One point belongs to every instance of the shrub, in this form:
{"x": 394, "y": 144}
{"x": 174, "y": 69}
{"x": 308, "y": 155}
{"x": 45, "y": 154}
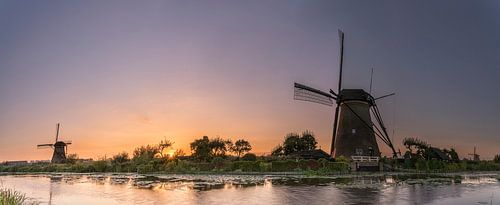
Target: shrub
{"x": 341, "y": 159}
{"x": 146, "y": 168}
{"x": 435, "y": 164}
{"x": 246, "y": 166}
{"x": 182, "y": 166}
{"x": 452, "y": 167}
{"x": 203, "y": 166}
{"x": 101, "y": 166}
{"x": 264, "y": 166}
{"x": 249, "y": 157}
{"x": 421, "y": 165}
{"x": 309, "y": 164}
{"x": 497, "y": 158}
{"x": 283, "y": 166}
{"x": 120, "y": 158}
{"x": 335, "y": 167}
{"x": 71, "y": 158}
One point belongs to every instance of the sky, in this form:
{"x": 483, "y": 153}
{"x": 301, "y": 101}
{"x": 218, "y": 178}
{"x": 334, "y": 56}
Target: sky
{"x": 119, "y": 74}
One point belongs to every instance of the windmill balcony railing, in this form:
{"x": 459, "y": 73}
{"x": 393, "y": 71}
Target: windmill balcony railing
{"x": 365, "y": 158}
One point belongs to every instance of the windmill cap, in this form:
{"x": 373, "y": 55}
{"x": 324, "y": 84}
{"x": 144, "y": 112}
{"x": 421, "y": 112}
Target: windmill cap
{"x": 355, "y": 94}
{"x": 59, "y": 143}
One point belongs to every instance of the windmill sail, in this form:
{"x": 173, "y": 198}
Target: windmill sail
{"x": 44, "y": 145}
{"x": 354, "y": 133}
{"x": 305, "y": 93}
{"x": 60, "y": 148}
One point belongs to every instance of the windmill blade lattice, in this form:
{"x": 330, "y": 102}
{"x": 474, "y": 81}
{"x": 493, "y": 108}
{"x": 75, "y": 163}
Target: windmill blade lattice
{"x": 304, "y": 93}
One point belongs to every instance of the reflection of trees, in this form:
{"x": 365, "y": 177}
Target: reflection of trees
{"x": 422, "y": 194}
{"x": 362, "y": 195}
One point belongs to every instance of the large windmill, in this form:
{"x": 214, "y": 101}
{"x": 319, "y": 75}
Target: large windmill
{"x": 354, "y": 133}
{"x": 60, "y": 148}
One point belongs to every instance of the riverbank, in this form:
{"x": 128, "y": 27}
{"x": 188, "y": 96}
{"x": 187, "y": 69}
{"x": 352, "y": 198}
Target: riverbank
{"x": 263, "y": 167}
{"x": 185, "y": 166}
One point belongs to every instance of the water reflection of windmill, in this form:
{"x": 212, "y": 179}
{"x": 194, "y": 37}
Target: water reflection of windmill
{"x": 354, "y": 133}
{"x": 60, "y": 148}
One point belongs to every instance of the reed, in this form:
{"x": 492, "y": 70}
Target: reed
{"x": 12, "y": 197}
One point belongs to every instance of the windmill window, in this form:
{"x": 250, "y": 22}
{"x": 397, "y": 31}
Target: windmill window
{"x": 359, "y": 151}
{"x": 353, "y": 131}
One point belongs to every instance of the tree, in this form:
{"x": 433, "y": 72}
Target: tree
{"x": 452, "y": 154}
{"x": 291, "y": 144}
{"x": 120, "y": 158}
{"x": 200, "y": 148}
{"x": 308, "y": 140}
{"x": 296, "y": 143}
{"x": 163, "y": 145}
{"x": 422, "y": 148}
{"x": 71, "y": 158}
{"x": 179, "y": 153}
{"x": 277, "y": 151}
{"x": 147, "y": 152}
{"x": 240, "y": 147}
{"x": 219, "y": 147}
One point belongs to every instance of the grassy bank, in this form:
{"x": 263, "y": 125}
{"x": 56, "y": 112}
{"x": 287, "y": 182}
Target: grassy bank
{"x": 218, "y": 165}
{"x": 186, "y": 166}
{"x": 433, "y": 165}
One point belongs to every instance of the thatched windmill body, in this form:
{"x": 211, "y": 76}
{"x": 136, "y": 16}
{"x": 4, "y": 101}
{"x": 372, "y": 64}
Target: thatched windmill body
{"x": 354, "y": 133}
{"x": 59, "y": 147}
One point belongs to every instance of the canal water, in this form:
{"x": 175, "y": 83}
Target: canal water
{"x": 256, "y": 189}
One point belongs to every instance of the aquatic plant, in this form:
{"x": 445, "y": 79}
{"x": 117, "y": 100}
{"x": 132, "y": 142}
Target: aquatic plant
{"x": 12, "y": 197}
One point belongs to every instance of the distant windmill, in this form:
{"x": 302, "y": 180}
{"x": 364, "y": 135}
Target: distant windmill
{"x": 60, "y": 148}
{"x": 354, "y": 133}
{"x": 475, "y": 156}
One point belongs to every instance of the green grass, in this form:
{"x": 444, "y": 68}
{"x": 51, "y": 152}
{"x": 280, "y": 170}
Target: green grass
{"x": 12, "y": 197}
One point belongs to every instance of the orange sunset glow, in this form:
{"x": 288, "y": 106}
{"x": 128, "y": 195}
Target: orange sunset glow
{"x": 120, "y": 76}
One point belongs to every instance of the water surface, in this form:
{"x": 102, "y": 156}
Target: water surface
{"x": 256, "y": 189}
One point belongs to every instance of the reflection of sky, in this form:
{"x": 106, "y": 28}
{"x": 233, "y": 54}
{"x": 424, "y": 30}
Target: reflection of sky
{"x": 87, "y": 190}
{"x": 117, "y": 75}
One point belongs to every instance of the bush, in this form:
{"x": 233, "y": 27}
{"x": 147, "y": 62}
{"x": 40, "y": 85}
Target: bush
{"x": 309, "y": 164}
{"x": 203, "y": 166}
{"x": 264, "y": 166}
{"x": 249, "y": 157}
{"x": 182, "y": 166}
{"x": 101, "y": 166}
{"x": 435, "y": 164}
{"x": 497, "y": 158}
{"x": 246, "y": 166}
{"x": 146, "y": 168}
{"x": 120, "y": 158}
{"x": 453, "y": 167}
{"x": 284, "y": 166}
{"x": 421, "y": 165}
{"x": 217, "y": 160}
{"x": 336, "y": 167}
{"x": 341, "y": 159}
